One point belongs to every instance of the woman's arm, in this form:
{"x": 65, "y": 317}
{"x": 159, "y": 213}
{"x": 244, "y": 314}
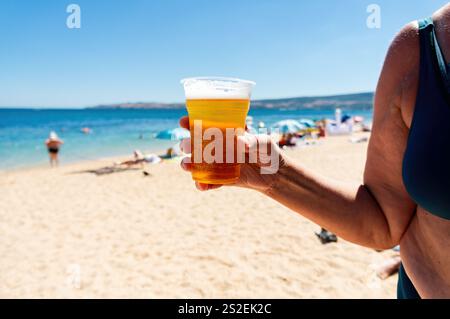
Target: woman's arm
{"x": 349, "y": 210}
{"x": 377, "y": 213}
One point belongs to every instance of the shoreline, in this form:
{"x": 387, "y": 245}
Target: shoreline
{"x": 122, "y": 157}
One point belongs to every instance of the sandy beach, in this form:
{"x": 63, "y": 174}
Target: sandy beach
{"x": 67, "y": 233}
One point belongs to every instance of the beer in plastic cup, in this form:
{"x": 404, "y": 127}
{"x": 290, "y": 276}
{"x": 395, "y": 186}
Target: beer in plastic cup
{"x": 216, "y": 105}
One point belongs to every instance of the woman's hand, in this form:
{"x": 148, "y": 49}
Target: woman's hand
{"x": 255, "y": 161}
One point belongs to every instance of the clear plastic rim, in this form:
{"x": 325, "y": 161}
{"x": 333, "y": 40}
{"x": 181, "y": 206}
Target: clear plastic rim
{"x": 217, "y": 78}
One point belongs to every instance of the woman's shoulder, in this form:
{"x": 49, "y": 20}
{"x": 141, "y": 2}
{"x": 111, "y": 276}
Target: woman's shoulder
{"x": 400, "y": 75}
{"x": 404, "y": 51}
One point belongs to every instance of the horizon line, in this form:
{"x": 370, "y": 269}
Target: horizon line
{"x": 169, "y": 103}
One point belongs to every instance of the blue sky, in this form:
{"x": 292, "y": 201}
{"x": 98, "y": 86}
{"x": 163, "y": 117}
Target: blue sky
{"x": 138, "y": 50}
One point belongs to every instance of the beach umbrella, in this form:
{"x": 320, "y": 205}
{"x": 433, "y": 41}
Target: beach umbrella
{"x": 175, "y": 134}
{"x": 308, "y": 123}
{"x": 288, "y": 126}
{"x": 345, "y": 118}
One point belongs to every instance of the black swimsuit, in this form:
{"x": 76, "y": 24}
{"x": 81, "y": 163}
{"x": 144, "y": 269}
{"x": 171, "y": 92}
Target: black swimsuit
{"x": 426, "y": 163}
{"x": 53, "y": 150}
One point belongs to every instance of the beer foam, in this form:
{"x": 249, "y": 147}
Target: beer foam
{"x": 217, "y": 88}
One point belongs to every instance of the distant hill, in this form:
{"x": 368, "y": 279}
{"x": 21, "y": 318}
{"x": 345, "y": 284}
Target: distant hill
{"x": 359, "y": 101}
{"x": 139, "y": 105}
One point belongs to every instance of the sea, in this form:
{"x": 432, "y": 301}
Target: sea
{"x": 114, "y": 132}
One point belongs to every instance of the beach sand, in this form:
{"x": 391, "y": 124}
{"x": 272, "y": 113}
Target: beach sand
{"x": 69, "y": 234}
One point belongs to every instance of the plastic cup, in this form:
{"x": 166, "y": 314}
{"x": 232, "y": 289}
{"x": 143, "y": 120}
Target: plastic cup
{"x": 217, "y": 109}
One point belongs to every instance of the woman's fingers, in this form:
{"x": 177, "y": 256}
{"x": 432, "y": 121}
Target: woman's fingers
{"x": 186, "y": 164}
{"x": 184, "y": 122}
{"x": 185, "y": 145}
{"x": 249, "y": 141}
{"x": 210, "y": 186}
{"x": 255, "y": 142}
{"x": 201, "y": 186}
{"x": 248, "y": 144}
{"x": 206, "y": 187}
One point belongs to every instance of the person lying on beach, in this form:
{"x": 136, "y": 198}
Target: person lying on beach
{"x": 53, "y": 144}
{"x": 287, "y": 140}
{"x": 172, "y": 152}
{"x": 140, "y": 159}
{"x": 404, "y": 198}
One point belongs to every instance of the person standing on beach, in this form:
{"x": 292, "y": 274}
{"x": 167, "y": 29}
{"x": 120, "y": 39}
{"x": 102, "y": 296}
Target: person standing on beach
{"x": 404, "y": 198}
{"x": 53, "y": 144}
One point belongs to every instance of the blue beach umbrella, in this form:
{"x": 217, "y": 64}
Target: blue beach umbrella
{"x": 308, "y": 123}
{"x": 175, "y": 134}
{"x": 288, "y": 126}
